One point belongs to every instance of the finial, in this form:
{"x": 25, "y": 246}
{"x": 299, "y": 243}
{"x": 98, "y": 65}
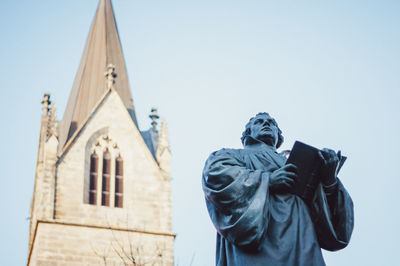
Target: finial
{"x": 154, "y": 116}
{"x": 52, "y": 124}
{"x": 110, "y": 76}
{"x": 46, "y": 102}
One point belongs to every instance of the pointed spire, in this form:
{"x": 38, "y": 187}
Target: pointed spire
{"x": 102, "y": 49}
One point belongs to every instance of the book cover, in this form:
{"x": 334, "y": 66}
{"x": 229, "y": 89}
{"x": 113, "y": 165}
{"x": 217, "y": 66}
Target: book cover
{"x": 308, "y": 163}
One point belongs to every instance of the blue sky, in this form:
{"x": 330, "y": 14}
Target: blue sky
{"x": 327, "y": 71}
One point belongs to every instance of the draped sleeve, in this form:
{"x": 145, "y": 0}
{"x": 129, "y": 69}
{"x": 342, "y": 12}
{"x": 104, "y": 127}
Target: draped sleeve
{"x": 333, "y": 216}
{"x": 236, "y": 197}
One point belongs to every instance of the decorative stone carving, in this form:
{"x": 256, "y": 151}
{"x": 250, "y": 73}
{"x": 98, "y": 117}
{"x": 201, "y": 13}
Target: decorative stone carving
{"x": 110, "y": 76}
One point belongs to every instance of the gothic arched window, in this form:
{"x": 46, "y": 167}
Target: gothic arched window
{"x": 94, "y": 162}
{"x": 119, "y": 185}
{"x": 104, "y": 175}
{"x": 105, "y": 191}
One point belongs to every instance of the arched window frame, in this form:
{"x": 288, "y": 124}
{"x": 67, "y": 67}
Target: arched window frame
{"x": 102, "y": 144}
{"x": 119, "y": 182}
{"x": 93, "y": 177}
{"x": 106, "y": 178}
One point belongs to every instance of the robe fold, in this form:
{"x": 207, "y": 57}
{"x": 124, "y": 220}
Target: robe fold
{"x": 255, "y": 227}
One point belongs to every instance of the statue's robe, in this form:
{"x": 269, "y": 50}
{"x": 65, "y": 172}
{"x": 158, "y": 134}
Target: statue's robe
{"x": 256, "y": 227}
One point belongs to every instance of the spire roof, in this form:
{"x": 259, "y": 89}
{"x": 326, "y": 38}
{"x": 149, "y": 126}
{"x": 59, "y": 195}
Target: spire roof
{"x": 92, "y": 81}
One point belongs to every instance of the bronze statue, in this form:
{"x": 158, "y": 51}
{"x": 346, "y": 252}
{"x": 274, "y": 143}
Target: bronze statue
{"x": 258, "y": 220}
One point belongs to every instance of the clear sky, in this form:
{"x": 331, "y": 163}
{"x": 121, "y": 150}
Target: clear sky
{"x": 328, "y": 71}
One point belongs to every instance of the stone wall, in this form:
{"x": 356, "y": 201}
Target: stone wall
{"x": 75, "y": 225}
{"x": 64, "y": 244}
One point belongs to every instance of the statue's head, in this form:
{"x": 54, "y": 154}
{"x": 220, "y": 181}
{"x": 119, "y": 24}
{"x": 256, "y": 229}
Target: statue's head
{"x": 262, "y": 128}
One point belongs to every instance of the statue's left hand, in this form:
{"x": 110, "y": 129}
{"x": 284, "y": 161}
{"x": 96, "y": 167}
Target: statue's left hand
{"x": 330, "y": 161}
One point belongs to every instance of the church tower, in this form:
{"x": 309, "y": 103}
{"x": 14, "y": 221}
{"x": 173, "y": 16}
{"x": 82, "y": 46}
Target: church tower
{"x": 102, "y": 187}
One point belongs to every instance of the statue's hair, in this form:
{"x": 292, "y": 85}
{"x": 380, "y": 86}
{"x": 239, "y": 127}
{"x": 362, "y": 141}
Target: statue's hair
{"x": 247, "y": 132}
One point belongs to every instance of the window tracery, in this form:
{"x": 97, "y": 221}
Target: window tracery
{"x": 106, "y": 172}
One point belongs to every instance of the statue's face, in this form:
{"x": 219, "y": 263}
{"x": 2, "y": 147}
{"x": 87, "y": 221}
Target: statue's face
{"x": 264, "y": 129}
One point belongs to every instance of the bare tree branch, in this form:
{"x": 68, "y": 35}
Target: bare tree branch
{"x": 133, "y": 252}
{"x": 102, "y": 256}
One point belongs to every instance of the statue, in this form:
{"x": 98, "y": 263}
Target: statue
{"x": 258, "y": 221}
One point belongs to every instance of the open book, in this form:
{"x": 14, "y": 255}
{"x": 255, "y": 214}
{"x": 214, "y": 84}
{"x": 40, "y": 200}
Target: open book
{"x": 308, "y": 163}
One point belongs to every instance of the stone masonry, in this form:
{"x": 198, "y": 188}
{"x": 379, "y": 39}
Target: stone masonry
{"x": 67, "y": 227}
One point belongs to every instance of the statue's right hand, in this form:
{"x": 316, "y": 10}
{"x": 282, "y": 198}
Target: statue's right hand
{"x": 282, "y": 179}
